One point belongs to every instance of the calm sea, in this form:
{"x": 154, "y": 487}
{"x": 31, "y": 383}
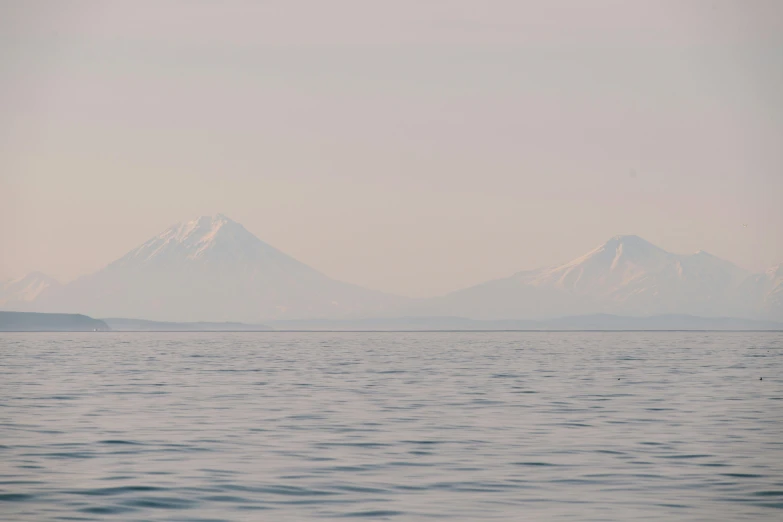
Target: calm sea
{"x": 391, "y": 426}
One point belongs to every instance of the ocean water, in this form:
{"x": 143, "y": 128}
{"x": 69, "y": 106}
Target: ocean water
{"x": 391, "y": 426}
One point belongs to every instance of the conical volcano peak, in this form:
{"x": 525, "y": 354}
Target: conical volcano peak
{"x": 627, "y": 237}
{"x": 191, "y": 239}
{"x": 197, "y": 227}
{"x": 622, "y": 247}
{"x": 219, "y": 220}
{"x": 213, "y": 268}
{"x": 630, "y": 241}
{"x": 632, "y": 247}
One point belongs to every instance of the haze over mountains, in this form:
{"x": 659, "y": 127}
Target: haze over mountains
{"x": 213, "y": 269}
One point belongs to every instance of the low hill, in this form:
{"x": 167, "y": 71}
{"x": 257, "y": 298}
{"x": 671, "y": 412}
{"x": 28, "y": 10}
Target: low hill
{"x": 140, "y": 325}
{"x": 35, "y": 322}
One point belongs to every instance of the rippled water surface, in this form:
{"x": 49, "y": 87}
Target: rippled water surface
{"x": 391, "y": 426}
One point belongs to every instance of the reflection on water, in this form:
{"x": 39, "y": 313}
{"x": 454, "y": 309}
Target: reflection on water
{"x": 391, "y": 426}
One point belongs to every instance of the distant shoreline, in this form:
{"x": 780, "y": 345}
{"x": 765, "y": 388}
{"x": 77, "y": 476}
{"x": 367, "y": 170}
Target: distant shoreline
{"x": 390, "y": 331}
{"x": 42, "y": 322}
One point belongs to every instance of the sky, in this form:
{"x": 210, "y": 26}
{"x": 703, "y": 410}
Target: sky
{"x": 413, "y": 146}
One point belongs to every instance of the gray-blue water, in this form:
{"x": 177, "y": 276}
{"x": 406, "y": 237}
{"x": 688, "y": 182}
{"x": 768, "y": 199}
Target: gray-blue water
{"x": 391, "y": 426}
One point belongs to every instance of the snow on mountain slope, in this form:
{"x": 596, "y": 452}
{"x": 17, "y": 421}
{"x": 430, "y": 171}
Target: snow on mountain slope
{"x": 773, "y": 298}
{"x": 775, "y": 277}
{"x": 626, "y": 275}
{"x": 611, "y": 266}
{"x": 212, "y": 269}
{"x": 763, "y": 293}
{"x": 16, "y": 293}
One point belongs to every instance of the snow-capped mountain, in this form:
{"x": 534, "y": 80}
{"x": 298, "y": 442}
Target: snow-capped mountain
{"x": 212, "y": 269}
{"x": 17, "y": 293}
{"x": 626, "y": 275}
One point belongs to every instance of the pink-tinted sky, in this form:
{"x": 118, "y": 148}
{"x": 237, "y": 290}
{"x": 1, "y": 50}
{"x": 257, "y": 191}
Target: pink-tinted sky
{"x": 410, "y": 146}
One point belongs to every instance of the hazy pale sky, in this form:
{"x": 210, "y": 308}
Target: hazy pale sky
{"x": 409, "y": 146}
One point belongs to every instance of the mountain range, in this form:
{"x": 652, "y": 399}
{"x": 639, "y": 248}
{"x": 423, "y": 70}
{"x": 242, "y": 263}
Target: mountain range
{"x": 213, "y": 269}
